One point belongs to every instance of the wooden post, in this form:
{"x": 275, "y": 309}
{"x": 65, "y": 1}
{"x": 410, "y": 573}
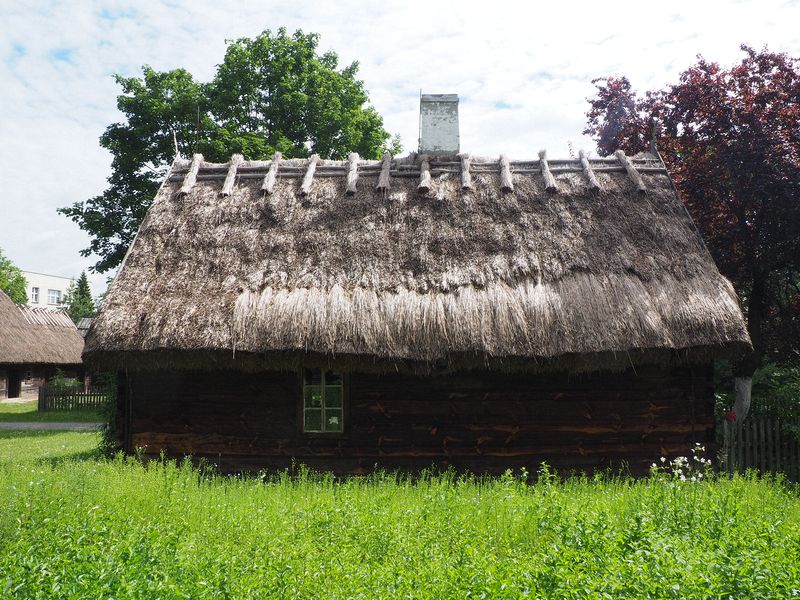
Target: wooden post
{"x": 633, "y": 174}
{"x": 466, "y": 177}
{"x": 272, "y": 175}
{"x": 383, "y": 179}
{"x": 230, "y": 178}
{"x": 506, "y": 181}
{"x": 308, "y": 178}
{"x": 191, "y": 176}
{"x": 587, "y": 170}
{"x": 352, "y": 173}
{"x": 549, "y": 180}
{"x": 424, "y": 175}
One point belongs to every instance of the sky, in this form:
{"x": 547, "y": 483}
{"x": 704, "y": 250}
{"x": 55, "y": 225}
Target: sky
{"x": 523, "y": 71}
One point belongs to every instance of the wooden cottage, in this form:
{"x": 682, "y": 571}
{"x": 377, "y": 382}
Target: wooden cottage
{"x": 34, "y": 342}
{"x": 447, "y": 310}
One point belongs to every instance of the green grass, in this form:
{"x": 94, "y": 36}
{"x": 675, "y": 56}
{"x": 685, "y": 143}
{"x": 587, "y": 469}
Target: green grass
{"x": 32, "y": 447}
{"x": 27, "y": 412}
{"x": 93, "y": 528}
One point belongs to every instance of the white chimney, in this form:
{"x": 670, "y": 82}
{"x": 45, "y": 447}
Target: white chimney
{"x": 438, "y": 124}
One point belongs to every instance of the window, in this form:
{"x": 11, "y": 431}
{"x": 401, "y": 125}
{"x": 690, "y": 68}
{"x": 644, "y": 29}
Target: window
{"x": 54, "y": 296}
{"x": 35, "y": 295}
{"x": 322, "y": 401}
{"x": 28, "y": 372}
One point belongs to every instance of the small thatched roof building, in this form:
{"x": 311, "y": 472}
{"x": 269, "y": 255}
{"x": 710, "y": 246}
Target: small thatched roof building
{"x": 34, "y": 339}
{"x": 526, "y": 271}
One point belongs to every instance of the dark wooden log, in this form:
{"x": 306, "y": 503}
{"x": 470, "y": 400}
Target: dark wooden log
{"x": 481, "y": 421}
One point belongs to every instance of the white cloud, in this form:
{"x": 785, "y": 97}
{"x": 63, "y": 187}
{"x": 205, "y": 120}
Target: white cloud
{"x": 57, "y": 60}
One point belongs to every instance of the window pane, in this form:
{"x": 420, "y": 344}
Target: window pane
{"x": 312, "y": 396}
{"x": 333, "y": 378}
{"x": 312, "y": 420}
{"x": 333, "y": 419}
{"x": 313, "y": 377}
{"x": 333, "y": 396}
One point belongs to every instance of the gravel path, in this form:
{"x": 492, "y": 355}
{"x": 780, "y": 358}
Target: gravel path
{"x": 38, "y": 426}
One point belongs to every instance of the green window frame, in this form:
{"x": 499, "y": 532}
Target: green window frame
{"x": 323, "y": 401}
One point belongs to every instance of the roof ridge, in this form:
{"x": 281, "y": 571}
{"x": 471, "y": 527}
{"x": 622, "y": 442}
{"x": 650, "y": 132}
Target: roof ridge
{"x": 188, "y": 172}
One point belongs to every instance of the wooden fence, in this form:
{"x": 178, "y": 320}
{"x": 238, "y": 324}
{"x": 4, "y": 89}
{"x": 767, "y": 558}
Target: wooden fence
{"x": 59, "y": 399}
{"x": 761, "y": 443}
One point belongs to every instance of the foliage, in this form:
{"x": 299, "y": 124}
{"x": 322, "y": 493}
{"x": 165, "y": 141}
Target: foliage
{"x": 63, "y": 385}
{"x": 731, "y": 141}
{"x": 107, "y": 381}
{"x": 79, "y": 299}
{"x": 274, "y": 92}
{"x": 97, "y": 528}
{"x": 12, "y": 281}
{"x": 776, "y": 391}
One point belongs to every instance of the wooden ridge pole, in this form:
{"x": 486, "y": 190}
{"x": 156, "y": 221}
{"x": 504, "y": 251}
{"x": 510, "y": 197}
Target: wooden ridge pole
{"x": 191, "y": 176}
{"x": 587, "y": 170}
{"x": 272, "y": 175}
{"x": 466, "y": 178}
{"x": 506, "y": 181}
{"x": 424, "y": 175}
{"x": 633, "y": 174}
{"x": 352, "y": 173}
{"x": 549, "y": 180}
{"x": 308, "y": 178}
{"x": 230, "y": 178}
{"x": 383, "y": 179}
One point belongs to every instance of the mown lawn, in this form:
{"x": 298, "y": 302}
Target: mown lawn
{"x": 76, "y": 527}
{"x": 27, "y": 412}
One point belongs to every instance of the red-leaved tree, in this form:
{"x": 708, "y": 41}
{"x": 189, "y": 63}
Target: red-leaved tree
{"x": 731, "y": 140}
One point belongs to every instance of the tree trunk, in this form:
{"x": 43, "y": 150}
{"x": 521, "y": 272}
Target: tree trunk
{"x": 744, "y": 368}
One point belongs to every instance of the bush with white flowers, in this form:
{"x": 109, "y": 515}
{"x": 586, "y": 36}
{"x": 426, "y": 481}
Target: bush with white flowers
{"x": 682, "y": 468}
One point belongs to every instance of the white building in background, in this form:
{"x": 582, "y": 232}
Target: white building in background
{"x": 47, "y": 290}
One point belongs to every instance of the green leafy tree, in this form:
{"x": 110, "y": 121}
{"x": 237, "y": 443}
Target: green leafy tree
{"x": 79, "y": 299}
{"x": 271, "y": 93}
{"x": 12, "y": 281}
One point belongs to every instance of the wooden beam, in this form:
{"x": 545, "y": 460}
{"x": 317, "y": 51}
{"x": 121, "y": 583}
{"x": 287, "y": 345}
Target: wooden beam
{"x": 352, "y": 173}
{"x": 383, "y": 178}
{"x": 308, "y": 178}
{"x": 506, "y": 181}
{"x": 633, "y": 174}
{"x": 191, "y": 175}
{"x": 272, "y": 175}
{"x": 466, "y": 178}
{"x": 549, "y": 180}
{"x": 230, "y": 178}
{"x": 587, "y": 170}
{"x": 424, "y": 175}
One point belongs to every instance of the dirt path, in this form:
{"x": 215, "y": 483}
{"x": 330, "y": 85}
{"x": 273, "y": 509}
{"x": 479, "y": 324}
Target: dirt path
{"x": 40, "y": 426}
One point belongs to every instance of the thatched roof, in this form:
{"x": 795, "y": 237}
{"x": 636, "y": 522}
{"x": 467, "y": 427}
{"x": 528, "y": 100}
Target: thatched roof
{"x": 37, "y": 335}
{"x": 414, "y": 263}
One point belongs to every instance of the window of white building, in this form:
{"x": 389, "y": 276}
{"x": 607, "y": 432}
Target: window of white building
{"x": 34, "y": 295}
{"x": 54, "y": 296}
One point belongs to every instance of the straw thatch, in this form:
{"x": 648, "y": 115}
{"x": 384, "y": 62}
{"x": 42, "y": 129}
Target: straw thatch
{"x": 37, "y": 336}
{"x": 545, "y": 270}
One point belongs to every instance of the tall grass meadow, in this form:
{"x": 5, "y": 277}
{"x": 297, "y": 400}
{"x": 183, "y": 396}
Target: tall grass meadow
{"x": 97, "y": 528}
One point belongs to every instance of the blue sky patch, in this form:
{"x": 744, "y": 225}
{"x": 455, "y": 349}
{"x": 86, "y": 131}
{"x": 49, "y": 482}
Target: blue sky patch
{"x": 113, "y": 15}
{"x": 61, "y": 54}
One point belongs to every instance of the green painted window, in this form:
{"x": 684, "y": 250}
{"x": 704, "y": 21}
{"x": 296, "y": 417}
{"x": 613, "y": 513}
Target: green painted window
{"x": 323, "y": 393}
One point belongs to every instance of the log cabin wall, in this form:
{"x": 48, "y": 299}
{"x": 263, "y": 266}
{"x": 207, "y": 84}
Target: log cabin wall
{"x": 480, "y": 421}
